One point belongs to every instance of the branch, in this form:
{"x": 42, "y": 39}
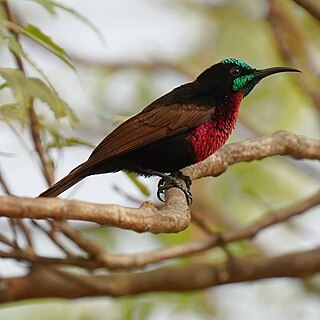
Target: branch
{"x": 134, "y": 64}
{"x": 175, "y": 215}
{"x": 98, "y": 258}
{"x": 280, "y": 143}
{"x": 46, "y": 162}
{"x": 4, "y": 185}
{"x": 293, "y": 47}
{"x": 177, "y": 278}
{"x": 310, "y": 6}
{"x": 16, "y": 222}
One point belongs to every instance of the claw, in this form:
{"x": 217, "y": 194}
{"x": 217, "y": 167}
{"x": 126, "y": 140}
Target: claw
{"x": 186, "y": 179}
{"x": 171, "y": 181}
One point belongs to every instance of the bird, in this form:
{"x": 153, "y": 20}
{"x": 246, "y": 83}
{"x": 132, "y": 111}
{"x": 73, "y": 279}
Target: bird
{"x": 181, "y": 128}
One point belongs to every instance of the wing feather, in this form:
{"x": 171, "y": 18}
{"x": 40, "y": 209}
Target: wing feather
{"x": 149, "y": 126}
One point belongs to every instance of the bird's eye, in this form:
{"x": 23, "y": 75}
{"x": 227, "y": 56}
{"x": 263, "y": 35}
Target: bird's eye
{"x": 235, "y": 71}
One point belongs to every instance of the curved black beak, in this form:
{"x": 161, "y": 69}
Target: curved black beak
{"x": 260, "y": 74}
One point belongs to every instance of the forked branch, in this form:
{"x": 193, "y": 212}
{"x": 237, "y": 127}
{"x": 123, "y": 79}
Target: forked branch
{"x": 51, "y": 282}
{"x": 175, "y": 215}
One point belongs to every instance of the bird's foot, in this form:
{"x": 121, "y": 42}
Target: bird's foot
{"x": 172, "y": 181}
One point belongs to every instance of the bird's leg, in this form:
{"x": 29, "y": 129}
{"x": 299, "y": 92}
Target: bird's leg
{"x": 172, "y": 181}
{"x": 169, "y": 181}
{"x": 180, "y": 175}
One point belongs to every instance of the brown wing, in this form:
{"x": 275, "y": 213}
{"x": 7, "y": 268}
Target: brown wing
{"x": 149, "y": 126}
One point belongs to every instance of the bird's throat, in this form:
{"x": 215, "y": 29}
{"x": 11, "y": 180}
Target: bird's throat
{"x": 213, "y": 134}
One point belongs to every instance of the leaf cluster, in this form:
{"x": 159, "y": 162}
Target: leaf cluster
{"x": 25, "y": 91}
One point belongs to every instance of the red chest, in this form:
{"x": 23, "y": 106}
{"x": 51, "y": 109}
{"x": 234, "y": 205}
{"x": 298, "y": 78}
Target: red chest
{"x": 213, "y": 134}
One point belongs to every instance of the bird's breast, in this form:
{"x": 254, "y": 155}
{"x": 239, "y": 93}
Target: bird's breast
{"x": 213, "y": 134}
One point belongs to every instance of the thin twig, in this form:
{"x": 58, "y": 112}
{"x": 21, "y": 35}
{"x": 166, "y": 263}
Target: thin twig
{"x": 310, "y": 6}
{"x": 4, "y": 185}
{"x": 200, "y": 222}
{"x": 44, "y": 157}
{"x": 52, "y": 235}
{"x": 16, "y": 222}
{"x": 6, "y": 241}
{"x": 292, "y": 47}
{"x": 13, "y": 227}
{"x": 26, "y": 233}
{"x": 139, "y": 65}
{"x": 95, "y": 251}
{"x": 12, "y": 222}
{"x": 47, "y": 164}
{"x": 273, "y": 217}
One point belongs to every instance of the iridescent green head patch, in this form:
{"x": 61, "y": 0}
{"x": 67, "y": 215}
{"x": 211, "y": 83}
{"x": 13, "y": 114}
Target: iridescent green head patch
{"x": 239, "y": 63}
{"x": 241, "y": 82}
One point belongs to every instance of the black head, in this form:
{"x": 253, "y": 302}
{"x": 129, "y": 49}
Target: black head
{"x": 232, "y": 75}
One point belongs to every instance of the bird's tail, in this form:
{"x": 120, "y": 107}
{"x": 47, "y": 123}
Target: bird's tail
{"x": 67, "y": 182}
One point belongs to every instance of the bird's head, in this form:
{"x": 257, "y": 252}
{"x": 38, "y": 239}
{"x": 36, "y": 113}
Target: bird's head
{"x": 232, "y": 75}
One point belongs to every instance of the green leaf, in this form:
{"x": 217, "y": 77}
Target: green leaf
{"x": 48, "y": 5}
{"x": 42, "y": 39}
{"x": 133, "y": 177}
{"x": 3, "y": 85}
{"x": 136, "y": 308}
{"x": 9, "y": 110}
{"x": 36, "y": 35}
{"x": 60, "y": 142}
{"x": 8, "y": 39}
{"x": 24, "y": 89}
{"x": 51, "y": 7}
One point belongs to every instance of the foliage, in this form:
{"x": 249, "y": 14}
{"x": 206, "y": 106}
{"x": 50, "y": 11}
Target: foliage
{"x": 25, "y": 90}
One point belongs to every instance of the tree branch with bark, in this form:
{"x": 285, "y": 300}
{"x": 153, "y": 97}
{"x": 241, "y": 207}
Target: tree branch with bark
{"x": 174, "y": 216}
{"x": 52, "y": 282}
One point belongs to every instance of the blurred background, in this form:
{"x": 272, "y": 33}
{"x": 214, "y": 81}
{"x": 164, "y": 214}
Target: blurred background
{"x": 149, "y": 48}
